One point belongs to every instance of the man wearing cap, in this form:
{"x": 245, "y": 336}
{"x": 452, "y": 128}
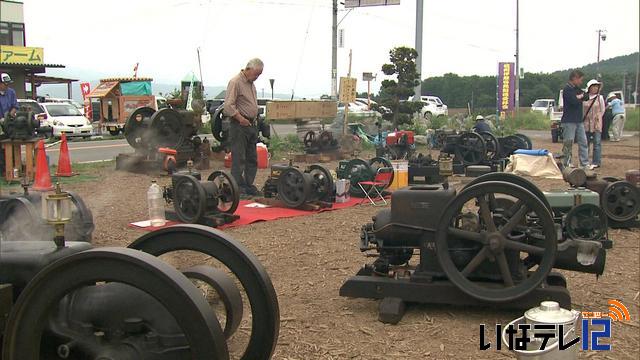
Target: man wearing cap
{"x": 572, "y": 121}
{"x": 481, "y": 125}
{"x": 8, "y": 99}
{"x": 617, "y": 109}
{"x": 241, "y": 105}
{"x": 593, "y": 112}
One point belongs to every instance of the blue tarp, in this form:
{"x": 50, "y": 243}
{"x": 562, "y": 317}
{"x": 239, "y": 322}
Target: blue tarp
{"x": 136, "y": 88}
{"x": 535, "y": 152}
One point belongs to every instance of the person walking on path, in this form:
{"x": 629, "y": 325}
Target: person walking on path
{"x": 572, "y": 121}
{"x": 241, "y": 105}
{"x": 593, "y": 113}
{"x": 617, "y": 109}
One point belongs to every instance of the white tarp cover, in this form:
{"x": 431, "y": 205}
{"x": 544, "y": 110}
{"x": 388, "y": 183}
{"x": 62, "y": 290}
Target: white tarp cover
{"x": 536, "y": 166}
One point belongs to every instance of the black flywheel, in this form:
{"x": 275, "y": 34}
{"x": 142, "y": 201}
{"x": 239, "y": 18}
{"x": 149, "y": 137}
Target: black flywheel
{"x": 167, "y": 128}
{"x": 493, "y": 147}
{"x": 511, "y": 143}
{"x": 322, "y": 182}
{"x": 227, "y": 191}
{"x": 498, "y": 244}
{"x": 471, "y": 148}
{"x": 137, "y": 124}
{"x": 620, "y": 201}
{"x": 309, "y": 139}
{"x": 190, "y": 199}
{"x": 294, "y": 187}
{"x": 586, "y": 222}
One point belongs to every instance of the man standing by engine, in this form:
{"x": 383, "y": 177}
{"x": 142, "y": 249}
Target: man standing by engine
{"x": 572, "y": 120}
{"x": 8, "y": 99}
{"x": 241, "y": 105}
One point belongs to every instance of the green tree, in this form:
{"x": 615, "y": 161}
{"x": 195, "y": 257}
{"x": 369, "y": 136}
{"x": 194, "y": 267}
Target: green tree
{"x": 394, "y": 93}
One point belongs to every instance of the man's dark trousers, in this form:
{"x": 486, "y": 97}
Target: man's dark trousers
{"x": 244, "y": 158}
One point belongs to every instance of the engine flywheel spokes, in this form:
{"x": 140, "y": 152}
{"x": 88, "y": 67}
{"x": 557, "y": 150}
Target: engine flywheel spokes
{"x": 227, "y": 191}
{"x": 499, "y": 245}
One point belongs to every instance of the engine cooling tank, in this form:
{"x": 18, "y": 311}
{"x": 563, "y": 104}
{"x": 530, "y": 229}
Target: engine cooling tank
{"x": 420, "y": 206}
{"x": 413, "y": 210}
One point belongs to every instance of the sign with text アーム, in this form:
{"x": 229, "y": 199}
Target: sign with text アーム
{"x": 21, "y": 55}
{"x": 506, "y": 88}
{"x": 347, "y": 90}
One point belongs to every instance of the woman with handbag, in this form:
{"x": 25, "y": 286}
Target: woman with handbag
{"x": 594, "y": 109}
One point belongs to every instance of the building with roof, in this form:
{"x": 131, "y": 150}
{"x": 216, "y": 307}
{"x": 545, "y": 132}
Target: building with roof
{"x": 24, "y": 64}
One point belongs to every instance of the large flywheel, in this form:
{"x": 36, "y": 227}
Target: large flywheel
{"x": 249, "y": 272}
{"x": 30, "y": 317}
{"x": 498, "y": 244}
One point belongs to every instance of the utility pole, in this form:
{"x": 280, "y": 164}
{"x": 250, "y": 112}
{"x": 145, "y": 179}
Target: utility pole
{"x": 517, "y": 98}
{"x": 635, "y": 92}
{"x": 334, "y": 52}
{"x": 346, "y": 105}
{"x": 602, "y": 35}
{"x": 419, "y": 12}
{"x": 624, "y": 86}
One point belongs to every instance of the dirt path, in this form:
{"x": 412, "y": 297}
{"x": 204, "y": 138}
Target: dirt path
{"x": 309, "y": 258}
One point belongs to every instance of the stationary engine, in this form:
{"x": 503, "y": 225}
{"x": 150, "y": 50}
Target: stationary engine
{"x": 494, "y": 242}
{"x": 164, "y": 139}
{"x": 21, "y": 218}
{"x": 73, "y": 301}
{"x": 23, "y": 126}
{"x": 619, "y": 199}
{"x": 295, "y": 187}
{"x": 357, "y": 170}
{"x": 320, "y": 142}
{"x": 210, "y": 202}
{"x": 400, "y": 145}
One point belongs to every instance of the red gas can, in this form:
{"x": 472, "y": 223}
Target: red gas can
{"x": 393, "y": 138}
{"x": 263, "y": 157}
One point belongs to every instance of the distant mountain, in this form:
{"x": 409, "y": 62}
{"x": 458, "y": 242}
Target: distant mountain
{"x": 617, "y": 65}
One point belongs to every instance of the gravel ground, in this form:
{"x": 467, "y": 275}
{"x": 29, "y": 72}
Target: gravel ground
{"x": 309, "y": 258}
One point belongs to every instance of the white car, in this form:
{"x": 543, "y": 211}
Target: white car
{"x": 66, "y": 118}
{"x": 353, "y": 107}
{"x": 74, "y": 103}
{"x": 543, "y": 105}
{"x": 433, "y": 106}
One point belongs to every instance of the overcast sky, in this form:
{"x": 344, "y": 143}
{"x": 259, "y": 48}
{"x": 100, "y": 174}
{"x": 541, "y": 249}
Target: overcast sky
{"x": 293, "y": 37}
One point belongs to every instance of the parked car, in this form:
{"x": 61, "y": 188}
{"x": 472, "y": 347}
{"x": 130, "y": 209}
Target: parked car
{"x": 72, "y": 102}
{"x": 353, "y": 107}
{"x": 433, "y": 106}
{"x": 543, "y": 105}
{"x": 66, "y": 118}
{"x": 33, "y": 105}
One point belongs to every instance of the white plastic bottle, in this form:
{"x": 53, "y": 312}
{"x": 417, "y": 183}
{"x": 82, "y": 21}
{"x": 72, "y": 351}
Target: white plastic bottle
{"x": 155, "y": 200}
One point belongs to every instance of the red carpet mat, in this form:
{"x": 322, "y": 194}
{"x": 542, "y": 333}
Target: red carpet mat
{"x": 250, "y": 214}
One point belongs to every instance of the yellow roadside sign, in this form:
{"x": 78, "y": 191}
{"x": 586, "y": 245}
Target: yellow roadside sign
{"x": 347, "y": 90}
{"x": 21, "y": 55}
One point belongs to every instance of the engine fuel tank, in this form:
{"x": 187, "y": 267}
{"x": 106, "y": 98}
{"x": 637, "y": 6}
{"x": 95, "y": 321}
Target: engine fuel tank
{"x": 413, "y": 210}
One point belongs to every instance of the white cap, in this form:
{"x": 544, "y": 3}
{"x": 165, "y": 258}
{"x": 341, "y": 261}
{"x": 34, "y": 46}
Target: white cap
{"x": 5, "y": 78}
{"x": 593, "y": 82}
{"x": 479, "y": 117}
{"x": 611, "y": 95}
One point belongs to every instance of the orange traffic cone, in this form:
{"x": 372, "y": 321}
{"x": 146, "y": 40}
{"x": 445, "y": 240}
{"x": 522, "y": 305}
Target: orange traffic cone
{"x": 43, "y": 177}
{"x": 64, "y": 162}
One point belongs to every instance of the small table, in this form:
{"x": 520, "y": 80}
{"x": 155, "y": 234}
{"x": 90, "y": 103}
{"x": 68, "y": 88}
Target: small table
{"x": 13, "y": 157}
